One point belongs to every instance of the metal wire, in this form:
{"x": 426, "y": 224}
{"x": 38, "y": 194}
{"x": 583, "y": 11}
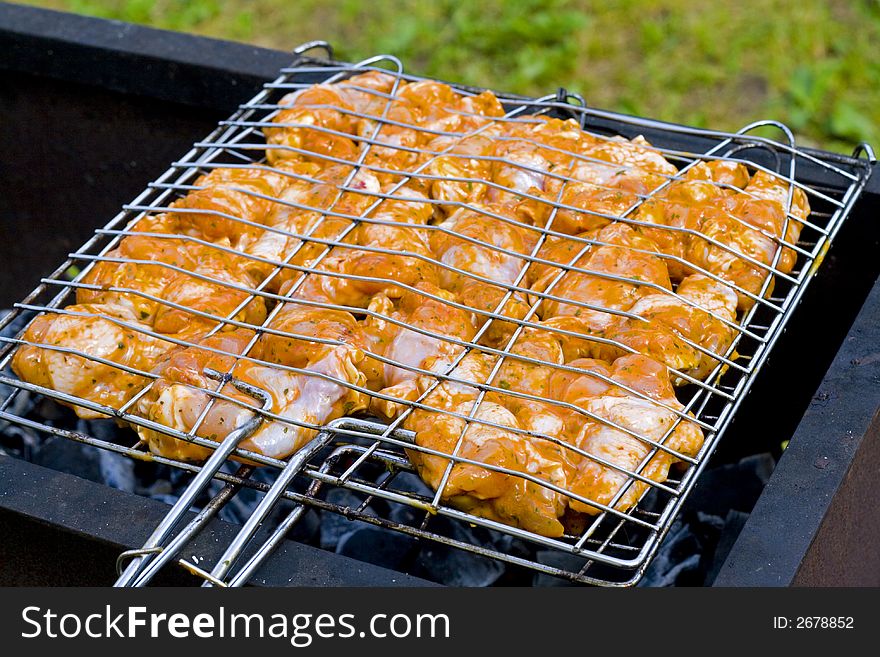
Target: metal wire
{"x": 616, "y": 544}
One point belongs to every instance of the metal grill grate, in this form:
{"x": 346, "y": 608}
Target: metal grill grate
{"x": 614, "y": 546}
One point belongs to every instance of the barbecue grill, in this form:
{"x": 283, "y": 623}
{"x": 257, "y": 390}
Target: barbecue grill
{"x": 366, "y": 457}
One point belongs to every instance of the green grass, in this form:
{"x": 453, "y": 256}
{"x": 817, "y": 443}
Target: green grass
{"x": 813, "y": 65}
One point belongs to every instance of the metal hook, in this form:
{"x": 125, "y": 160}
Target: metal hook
{"x": 303, "y": 48}
{"x": 564, "y": 96}
{"x": 748, "y": 145}
{"x": 137, "y": 552}
{"x": 866, "y": 149}
{"x": 792, "y": 162}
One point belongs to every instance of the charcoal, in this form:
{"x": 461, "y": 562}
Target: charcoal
{"x": 412, "y": 483}
{"x": 679, "y": 555}
{"x": 159, "y": 488}
{"x": 673, "y": 574}
{"x": 308, "y": 527}
{"x": 378, "y": 546}
{"x": 106, "y": 430}
{"x": 515, "y": 547}
{"x": 117, "y": 471}
{"x": 733, "y": 524}
{"x": 451, "y": 565}
{"x": 335, "y": 526}
{"x": 50, "y": 411}
{"x": 63, "y": 455}
{"x": 169, "y": 499}
{"x": 707, "y": 527}
{"x": 18, "y": 441}
{"x": 405, "y": 514}
{"x": 436, "y": 562}
{"x": 732, "y": 485}
{"x": 304, "y": 530}
{"x": 240, "y": 507}
{"x": 709, "y": 522}
{"x": 555, "y": 559}
{"x": 179, "y": 479}
{"x": 165, "y": 484}
{"x": 21, "y": 405}
{"x": 455, "y": 567}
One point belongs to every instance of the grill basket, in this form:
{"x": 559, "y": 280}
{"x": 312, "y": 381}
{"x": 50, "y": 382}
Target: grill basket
{"x": 367, "y": 457}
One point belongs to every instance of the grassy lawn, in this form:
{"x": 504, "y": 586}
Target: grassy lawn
{"x": 814, "y": 65}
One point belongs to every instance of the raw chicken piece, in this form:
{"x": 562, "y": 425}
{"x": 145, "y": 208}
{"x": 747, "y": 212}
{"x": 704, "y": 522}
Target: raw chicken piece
{"x": 332, "y": 109}
{"x": 410, "y": 348}
{"x": 225, "y": 209}
{"x": 621, "y": 153}
{"x": 617, "y": 258}
{"x": 178, "y": 397}
{"x": 678, "y": 211}
{"x": 318, "y": 230}
{"x": 486, "y": 260}
{"x": 600, "y": 203}
{"x": 533, "y": 379}
{"x": 288, "y": 218}
{"x": 99, "y": 336}
{"x": 439, "y": 107}
{"x": 222, "y": 291}
{"x": 461, "y": 175}
{"x": 740, "y": 225}
{"x": 306, "y": 399}
{"x": 723, "y": 172}
{"x": 488, "y": 493}
{"x": 645, "y": 417}
{"x": 399, "y": 259}
{"x": 671, "y": 321}
{"x": 774, "y": 190}
{"x": 296, "y": 322}
{"x": 333, "y": 133}
{"x": 311, "y": 398}
{"x": 523, "y": 168}
{"x": 508, "y": 498}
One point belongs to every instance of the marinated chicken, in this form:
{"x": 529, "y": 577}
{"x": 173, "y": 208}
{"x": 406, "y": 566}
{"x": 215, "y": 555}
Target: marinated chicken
{"x": 621, "y": 264}
{"x": 628, "y": 420}
{"x": 175, "y": 286}
{"x": 686, "y": 331}
{"x": 740, "y": 235}
{"x": 311, "y": 390}
{"x": 427, "y": 336}
{"x": 523, "y": 295}
{"x": 97, "y": 352}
